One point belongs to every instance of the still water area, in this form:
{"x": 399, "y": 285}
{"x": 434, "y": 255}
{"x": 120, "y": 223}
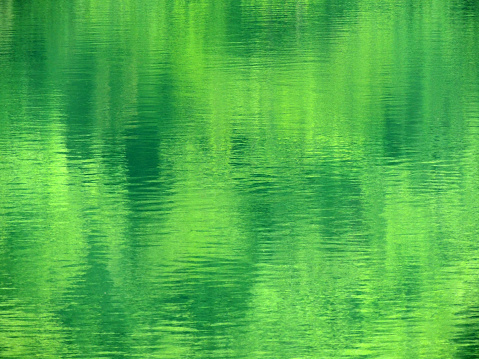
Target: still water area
{"x": 239, "y": 179}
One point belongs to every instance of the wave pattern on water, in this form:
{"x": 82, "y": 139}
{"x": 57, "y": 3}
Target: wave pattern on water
{"x": 239, "y": 179}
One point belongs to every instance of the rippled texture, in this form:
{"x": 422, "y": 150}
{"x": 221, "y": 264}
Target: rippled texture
{"x": 239, "y": 179}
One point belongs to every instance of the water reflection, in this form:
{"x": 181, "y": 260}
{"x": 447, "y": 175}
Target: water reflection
{"x": 238, "y": 180}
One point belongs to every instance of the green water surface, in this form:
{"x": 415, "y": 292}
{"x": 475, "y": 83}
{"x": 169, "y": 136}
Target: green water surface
{"x": 239, "y": 179}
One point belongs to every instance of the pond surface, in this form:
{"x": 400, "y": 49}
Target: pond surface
{"x": 239, "y": 179}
